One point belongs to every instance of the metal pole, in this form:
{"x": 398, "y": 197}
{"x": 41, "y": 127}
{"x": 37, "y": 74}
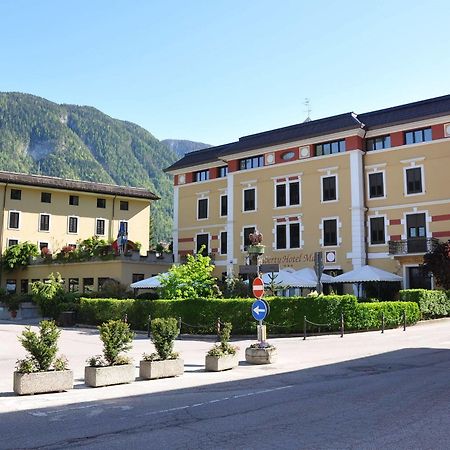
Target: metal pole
{"x": 125, "y": 318}
{"x": 342, "y": 325}
{"x": 404, "y": 320}
{"x": 149, "y": 325}
{"x": 179, "y": 327}
{"x": 218, "y": 328}
{"x": 304, "y": 328}
{"x": 382, "y": 322}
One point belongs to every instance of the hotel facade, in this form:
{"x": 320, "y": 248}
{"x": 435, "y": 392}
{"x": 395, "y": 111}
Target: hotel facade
{"x": 368, "y": 188}
{"x": 54, "y": 213}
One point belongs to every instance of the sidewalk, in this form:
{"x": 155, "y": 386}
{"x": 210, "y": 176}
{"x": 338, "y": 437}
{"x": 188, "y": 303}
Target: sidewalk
{"x": 293, "y": 354}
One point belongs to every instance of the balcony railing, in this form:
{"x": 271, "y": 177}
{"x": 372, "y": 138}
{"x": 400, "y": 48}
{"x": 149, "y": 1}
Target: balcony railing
{"x": 412, "y": 245}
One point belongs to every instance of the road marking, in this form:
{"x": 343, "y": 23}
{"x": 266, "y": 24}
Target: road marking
{"x": 217, "y": 400}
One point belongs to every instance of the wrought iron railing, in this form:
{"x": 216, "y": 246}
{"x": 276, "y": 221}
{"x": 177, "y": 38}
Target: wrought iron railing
{"x": 412, "y": 245}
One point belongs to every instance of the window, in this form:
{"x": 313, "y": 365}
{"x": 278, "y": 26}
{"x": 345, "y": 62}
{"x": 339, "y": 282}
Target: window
{"x": 74, "y": 200}
{"x": 288, "y": 235}
{"x": 223, "y": 205}
{"x": 247, "y": 232}
{"x": 123, "y": 205}
{"x": 101, "y": 203}
{"x": 329, "y": 232}
{"x": 43, "y": 245}
{"x": 101, "y": 282}
{"x": 202, "y": 240}
{"x": 329, "y": 191}
{"x": 251, "y": 163}
{"x": 135, "y": 277}
{"x": 201, "y": 175}
{"x": 100, "y": 227}
{"x": 250, "y": 199}
{"x": 377, "y": 235}
{"x": 223, "y": 242}
{"x": 74, "y": 284}
{"x": 24, "y": 286}
{"x": 287, "y": 193}
{"x": 415, "y": 136}
{"x": 329, "y": 148}
{"x": 44, "y": 222}
{"x": 12, "y": 242}
{"x": 16, "y": 194}
{"x": 202, "y": 208}
{"x": 222, "y": 172}
{"x": 414, "y": 180}
{"x": 14, "y": 220}
{"x": 46, "y": 197}
{"x": 378, "y": 143}
{"x": 88, "y": 285}
{"x": 73, "y": 224}
{"x": 376, "y": 185}
{"x": 11, "y": 286}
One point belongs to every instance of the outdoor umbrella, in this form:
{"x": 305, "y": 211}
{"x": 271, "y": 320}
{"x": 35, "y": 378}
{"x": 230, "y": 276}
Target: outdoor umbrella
{"x": 366, "y": 273}
{"x": 148, "y": 283}
{"x": 308, "y": 274}
{"x": 284, "y": 279}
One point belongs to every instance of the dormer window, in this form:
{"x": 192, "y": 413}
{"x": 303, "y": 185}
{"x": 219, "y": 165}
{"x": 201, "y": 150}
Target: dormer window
{"x": 251, "y": 163}
{"x": 201, "y": 175}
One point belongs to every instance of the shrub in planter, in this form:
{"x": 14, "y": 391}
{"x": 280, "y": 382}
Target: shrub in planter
{"x": 112, "y": 367}
{"x": 164, "y": 362}
{"x": 261, "y": 353}
{"x": 42, "y": 371}
{"x": 222, "y": 356}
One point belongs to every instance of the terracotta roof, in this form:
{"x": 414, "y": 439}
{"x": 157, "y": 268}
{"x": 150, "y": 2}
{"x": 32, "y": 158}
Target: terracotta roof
{"x": 424, "y": 109}
{"x": 75, "y": 185}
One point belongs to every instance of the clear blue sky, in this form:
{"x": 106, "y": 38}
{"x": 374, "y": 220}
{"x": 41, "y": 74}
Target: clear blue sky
{"x": 215, "y": 70}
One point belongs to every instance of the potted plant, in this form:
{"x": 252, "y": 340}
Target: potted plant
{"x": 222, "y": 356}
{"x": 12, "y": 302}
{"x": 261, "y": 353}
{"x": 42, "y": 371}
{"x": 164, "y": 362}
{"x": 112, "y": 367}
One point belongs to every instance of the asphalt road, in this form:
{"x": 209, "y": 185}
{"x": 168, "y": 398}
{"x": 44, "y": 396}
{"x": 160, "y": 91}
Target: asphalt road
{"x": 394, "y": 400}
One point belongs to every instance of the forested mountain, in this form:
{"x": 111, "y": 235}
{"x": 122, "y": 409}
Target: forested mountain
{"x": 79, "y": 142}
{"x": 181, "y": 146}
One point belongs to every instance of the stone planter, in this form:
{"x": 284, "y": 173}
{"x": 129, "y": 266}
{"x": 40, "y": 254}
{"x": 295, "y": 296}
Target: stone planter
{"x": 150, "y": 370}
{"x": 256, "y": 249}
{"x": 219, "y": 363}
{"x": 109, "y": 375}
{"x": 260, "y": 355}
{"x": 41, "y": 382}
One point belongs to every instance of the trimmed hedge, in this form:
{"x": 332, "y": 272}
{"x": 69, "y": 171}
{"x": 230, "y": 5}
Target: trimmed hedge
{"x": 432, "y": 303}
{"x": 286, "y": 313}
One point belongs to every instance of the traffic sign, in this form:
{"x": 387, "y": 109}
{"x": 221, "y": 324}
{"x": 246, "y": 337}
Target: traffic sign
{"x": 258, "y": 287}
{"x": 259, "y": 309}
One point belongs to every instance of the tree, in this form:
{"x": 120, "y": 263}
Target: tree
{"x": 438, "y": 263}
{"x": 191, "y": 280}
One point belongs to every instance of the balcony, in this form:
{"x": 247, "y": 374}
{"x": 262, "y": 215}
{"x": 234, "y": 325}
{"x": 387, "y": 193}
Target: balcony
{"x": 412, "y": 246}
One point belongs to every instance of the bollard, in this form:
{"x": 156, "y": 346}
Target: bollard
{"x": 179, "y": 327}
{"x": 304, "y": 328}
{"x": 382, "y": 322}
{"x": 218, "y": 328}
{"x": 125, "y": 318}
{"x": 404, "y": 320}
{"x": 149, "y": 325}
{"x": 342, "y": 325}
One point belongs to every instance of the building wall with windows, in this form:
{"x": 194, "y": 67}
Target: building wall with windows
{"x": 363, "y": 189}
{"x": 52, "y": 212}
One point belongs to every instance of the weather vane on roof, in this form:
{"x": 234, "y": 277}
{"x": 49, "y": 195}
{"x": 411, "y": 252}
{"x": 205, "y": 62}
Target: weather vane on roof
{"x": 308, "y": 110}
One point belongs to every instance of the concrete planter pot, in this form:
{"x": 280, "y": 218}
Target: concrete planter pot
{"x": 42, "y": 382}
{"x": 260, "y": 355}
{"x": 151, "y": 370}
{"x": 109, "y": 375}
{"x": 219, "y": 363}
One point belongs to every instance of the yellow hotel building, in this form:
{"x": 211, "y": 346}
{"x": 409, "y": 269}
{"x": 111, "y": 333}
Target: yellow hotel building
{"x": 368, "y": 188}
{"x": 53, "y": 213}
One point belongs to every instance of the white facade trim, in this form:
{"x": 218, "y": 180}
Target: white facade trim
{"x": 175, "y": 230}
{"x": 230, "y": 223}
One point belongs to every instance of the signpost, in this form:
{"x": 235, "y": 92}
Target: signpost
{"x": 260, "y": 308}
{"x": 258, "y": 287}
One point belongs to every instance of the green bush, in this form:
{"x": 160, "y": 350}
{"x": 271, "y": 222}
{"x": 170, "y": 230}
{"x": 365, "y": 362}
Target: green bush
{"x": 164, "y": 333}
{"x": 117, "y": 338}
{"x": 42, "y": 348}
{"x": 432, "y": 303}
{"x": 286, "y": 313}
{"x": 224, "y": 348}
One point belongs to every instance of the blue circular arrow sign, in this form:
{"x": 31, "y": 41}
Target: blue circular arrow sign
{"x": 259, "y": 309}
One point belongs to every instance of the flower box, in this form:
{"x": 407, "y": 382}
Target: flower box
{"x": 42, "y": 382}
{"x": 151, "y": 370}
{"x": 256, "y": 249}
{"x": 219, "y": 363}
{"x": 109, "y": 375}
{"x": 264, "y": 355}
